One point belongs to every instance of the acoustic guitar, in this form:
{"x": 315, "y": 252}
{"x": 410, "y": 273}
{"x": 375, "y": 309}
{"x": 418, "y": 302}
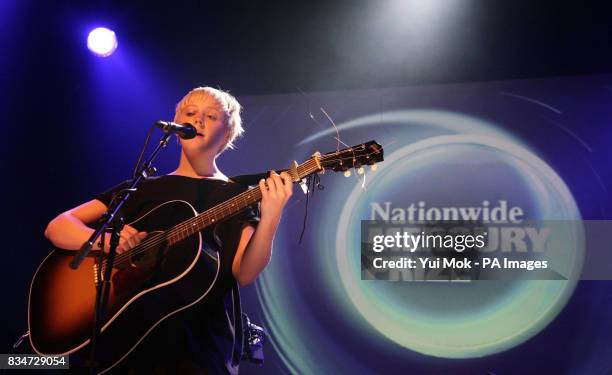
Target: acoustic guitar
{"x": 169, "y": 271}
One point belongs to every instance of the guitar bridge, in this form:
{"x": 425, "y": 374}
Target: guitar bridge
{"x": 95, "y": 269}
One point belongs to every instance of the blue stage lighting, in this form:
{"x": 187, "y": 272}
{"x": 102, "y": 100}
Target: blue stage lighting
{"x": 102, "y": 41}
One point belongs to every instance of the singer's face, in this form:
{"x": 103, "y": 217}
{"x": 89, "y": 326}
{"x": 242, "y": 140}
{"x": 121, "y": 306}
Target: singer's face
{"x": 206, "y": 114}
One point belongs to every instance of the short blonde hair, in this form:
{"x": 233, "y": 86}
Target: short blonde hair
{"x": 231, "y": 110}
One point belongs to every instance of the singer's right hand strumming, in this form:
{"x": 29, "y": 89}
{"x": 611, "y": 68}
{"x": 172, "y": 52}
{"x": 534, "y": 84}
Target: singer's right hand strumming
{"x": 130, "y": 238}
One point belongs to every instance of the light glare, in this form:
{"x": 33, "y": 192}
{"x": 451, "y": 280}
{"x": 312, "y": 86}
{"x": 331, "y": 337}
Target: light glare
{"x": 102, "y": 42}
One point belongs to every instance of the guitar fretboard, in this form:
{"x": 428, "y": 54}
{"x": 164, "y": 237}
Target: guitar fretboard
{"x": 228, "y": 208}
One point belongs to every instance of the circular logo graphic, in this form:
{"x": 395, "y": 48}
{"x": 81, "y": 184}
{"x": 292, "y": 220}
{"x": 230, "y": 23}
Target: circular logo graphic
{"x": 433, "y": 160}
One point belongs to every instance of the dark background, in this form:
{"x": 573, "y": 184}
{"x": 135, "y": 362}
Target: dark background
{"x": 63, "y": 108}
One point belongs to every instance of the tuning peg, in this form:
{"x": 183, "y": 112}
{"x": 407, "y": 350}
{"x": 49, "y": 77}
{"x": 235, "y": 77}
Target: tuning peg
{"x": 360, "y": 170}
{"x": 374, "y": 167}
{"x": 347, "y": 173}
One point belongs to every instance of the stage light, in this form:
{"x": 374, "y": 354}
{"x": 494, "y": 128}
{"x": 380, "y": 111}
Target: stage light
{"x": 102, "y": 42}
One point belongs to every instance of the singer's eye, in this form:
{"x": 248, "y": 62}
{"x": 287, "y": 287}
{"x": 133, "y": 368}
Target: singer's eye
{"x": 214, "y": 118}
{"x": 189, "y": 113}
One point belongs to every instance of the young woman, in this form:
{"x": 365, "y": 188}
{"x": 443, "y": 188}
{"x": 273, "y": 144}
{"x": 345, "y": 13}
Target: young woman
{"x": 201, "y": 339}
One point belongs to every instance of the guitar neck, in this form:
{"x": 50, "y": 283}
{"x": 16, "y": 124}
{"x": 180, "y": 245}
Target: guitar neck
{"x": 230, "y": 207}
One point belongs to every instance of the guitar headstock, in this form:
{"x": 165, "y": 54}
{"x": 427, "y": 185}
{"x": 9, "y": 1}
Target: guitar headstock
{"x": 368, "y": 153}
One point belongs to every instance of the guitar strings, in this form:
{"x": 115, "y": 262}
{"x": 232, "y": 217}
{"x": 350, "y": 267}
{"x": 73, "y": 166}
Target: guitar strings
{"x": 185, "y": 226}
{"x": 222, "y": 207}
{"x": 157, "y": 239}
{"x": 213, "y": 212}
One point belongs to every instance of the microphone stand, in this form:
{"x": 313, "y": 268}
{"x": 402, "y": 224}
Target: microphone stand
{"x": 113, "y": 222}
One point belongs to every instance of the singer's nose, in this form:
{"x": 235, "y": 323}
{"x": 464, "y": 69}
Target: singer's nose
{"x": 199, "y": 120}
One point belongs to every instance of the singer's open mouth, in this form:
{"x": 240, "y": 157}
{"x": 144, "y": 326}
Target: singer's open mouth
{"x": 199, "y": 134}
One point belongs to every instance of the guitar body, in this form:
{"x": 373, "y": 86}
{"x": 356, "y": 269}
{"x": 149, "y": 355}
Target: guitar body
{"x": 146, "y": 289}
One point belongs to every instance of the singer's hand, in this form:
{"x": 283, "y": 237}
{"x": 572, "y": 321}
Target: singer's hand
{"x": 275, "y": 191}
{"x": 130, "y": 238}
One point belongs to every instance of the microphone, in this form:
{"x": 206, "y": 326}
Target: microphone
{"x": 185, "y": 131}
